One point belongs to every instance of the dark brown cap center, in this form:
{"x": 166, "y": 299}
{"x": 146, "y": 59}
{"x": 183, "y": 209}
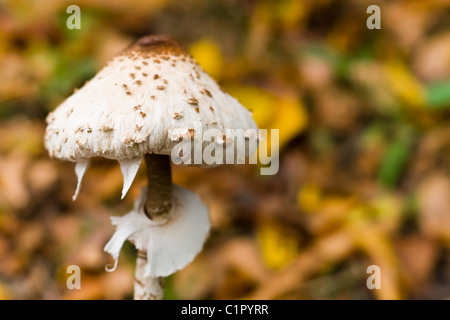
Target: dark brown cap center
{"x": 156, "y": 44}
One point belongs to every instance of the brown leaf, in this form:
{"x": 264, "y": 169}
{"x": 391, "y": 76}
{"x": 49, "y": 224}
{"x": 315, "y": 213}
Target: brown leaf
{"x": 434, "y": 206}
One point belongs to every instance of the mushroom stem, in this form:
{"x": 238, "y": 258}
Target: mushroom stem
{"x": 159, "y": 194}
{"x": 146, "y": 288}
{"x": 157, "y": 207}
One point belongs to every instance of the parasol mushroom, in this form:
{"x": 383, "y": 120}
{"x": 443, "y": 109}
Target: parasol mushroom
{"x": 140, "y": 105}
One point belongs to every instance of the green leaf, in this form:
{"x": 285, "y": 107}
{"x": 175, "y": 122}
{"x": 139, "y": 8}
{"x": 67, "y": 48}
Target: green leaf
{"x": 393, "y": 163}
{"x": 438, "y": 95}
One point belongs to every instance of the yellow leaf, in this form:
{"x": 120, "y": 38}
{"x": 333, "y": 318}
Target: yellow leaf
{"x": 290, "y": 119}
{"x": 388, "y": 211}
{"x": 379, "y": 249}
{"x": 309, "y": 197}
{"x": 291, "y": 12}
{"x": 208, "y": 55}
{"x": 403, "y": 83}
{"x": 285, "y": 113}
{"x": 4, "y": 295}
{"x": 278, "y": 247}
{"x": 260, "y": 102}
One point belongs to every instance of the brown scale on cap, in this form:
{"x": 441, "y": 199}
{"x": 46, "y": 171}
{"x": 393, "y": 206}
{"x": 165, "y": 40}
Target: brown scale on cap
{"x": 79, "y": 143}
{"x": 192, "y": 101}
{"x": 208, "y": 93}
{"x": 80, "y": 129}
{"x": 177, "y": 116}
{"x": 105, "y": 128}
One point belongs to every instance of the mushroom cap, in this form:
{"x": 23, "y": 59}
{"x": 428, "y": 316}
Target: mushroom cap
{"x": 145, "y": 100}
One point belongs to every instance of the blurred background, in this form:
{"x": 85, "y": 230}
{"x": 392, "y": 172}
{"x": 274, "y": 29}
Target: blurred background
{"x": 364, "y": 149}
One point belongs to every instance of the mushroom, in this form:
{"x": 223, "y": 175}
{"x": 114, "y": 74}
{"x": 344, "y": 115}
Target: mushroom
{"x": 140, "y": 105}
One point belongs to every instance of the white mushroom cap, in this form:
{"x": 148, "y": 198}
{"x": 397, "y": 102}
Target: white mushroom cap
{"x": 141, "y": 102}
{"x": 170, "y": 246}
{"x": 145, "y": 100}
